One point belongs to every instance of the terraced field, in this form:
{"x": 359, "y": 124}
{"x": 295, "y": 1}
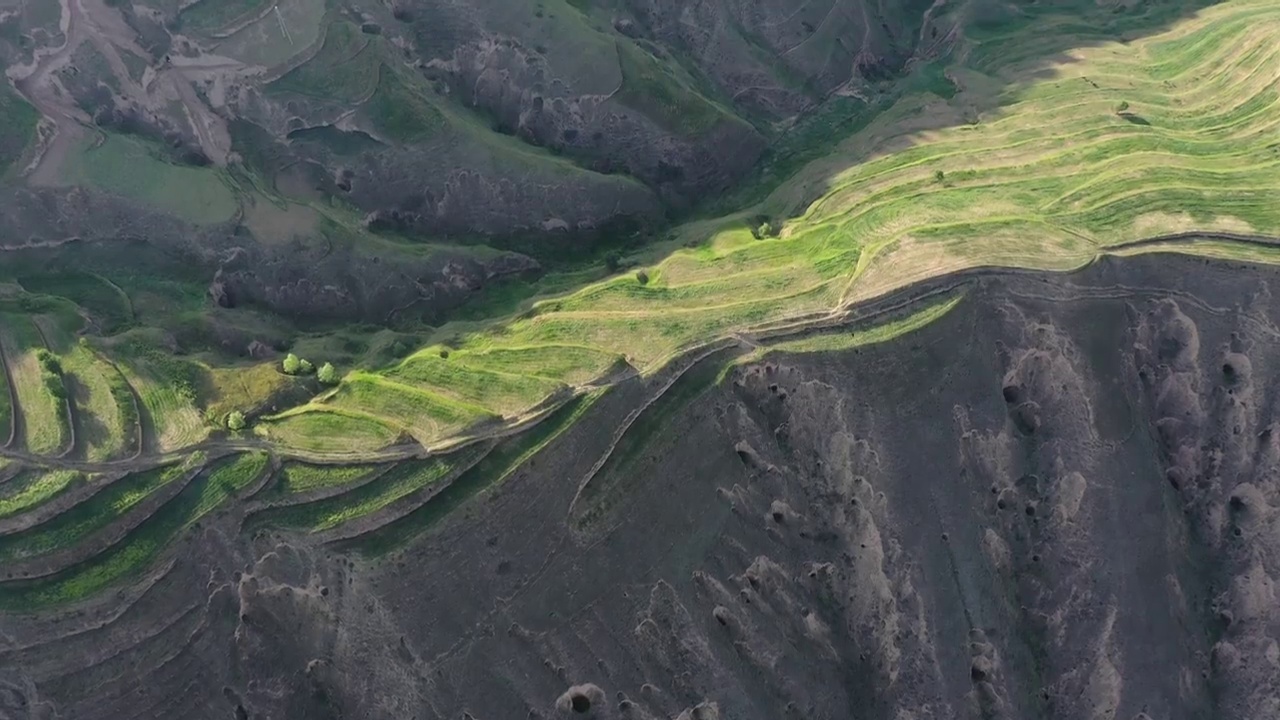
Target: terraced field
{"x": 1118, "y": 142}
{"x": 998, "y": 161}
{"x": 40, "y": 394}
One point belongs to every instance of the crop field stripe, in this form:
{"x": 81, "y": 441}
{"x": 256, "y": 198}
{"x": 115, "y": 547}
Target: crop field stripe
{"x": 297, "y": 477}
{"x": 398, "y": 482}
{"x": 174, "y": 420}
{"x": 321, "y": 429}
{"x": 45, "y": 422}
{"x": 99, "y": 423}
{"x": 33, "y": 488}
{"x": 95, "y": 513}
{"x": 144, "y": 544}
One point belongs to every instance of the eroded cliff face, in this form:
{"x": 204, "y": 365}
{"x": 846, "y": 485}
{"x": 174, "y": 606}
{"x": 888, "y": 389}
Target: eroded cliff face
{"x": 1055, "y": 502}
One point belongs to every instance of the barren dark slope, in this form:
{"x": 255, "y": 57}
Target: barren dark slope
{"x": 1055, "y": 502}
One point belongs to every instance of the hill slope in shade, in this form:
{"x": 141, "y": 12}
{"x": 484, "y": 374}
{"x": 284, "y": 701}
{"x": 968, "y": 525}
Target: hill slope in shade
{"x": 1053, "y": 501}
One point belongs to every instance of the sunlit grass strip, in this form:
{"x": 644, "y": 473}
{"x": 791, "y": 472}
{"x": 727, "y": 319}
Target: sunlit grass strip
{"x": 845, "y": 340}
{"x": 426, "y": 415}
{"x": 329, "y": 430}
{"x": 167, "y": 389}
{"x": 33, "y": 488}
{"x": 107, "y": 421}
{"x": 297, "y": 477}
{"x": 46, "y": 427}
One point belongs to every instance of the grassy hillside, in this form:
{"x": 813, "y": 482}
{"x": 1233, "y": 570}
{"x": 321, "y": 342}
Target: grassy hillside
{"x": 1041, "y": 168}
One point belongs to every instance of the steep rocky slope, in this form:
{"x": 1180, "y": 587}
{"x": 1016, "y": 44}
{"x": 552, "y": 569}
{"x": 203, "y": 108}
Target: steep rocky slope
{"x": 1057, "y": 501}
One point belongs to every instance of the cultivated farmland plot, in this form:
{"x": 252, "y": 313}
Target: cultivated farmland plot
{"x": 46, "y": 427}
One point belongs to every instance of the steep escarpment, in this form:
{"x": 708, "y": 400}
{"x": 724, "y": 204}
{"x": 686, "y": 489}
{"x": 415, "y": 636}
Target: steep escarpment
{"x": 1055, "y": 501}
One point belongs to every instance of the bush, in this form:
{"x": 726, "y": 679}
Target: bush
{"x": 1122, "y": 106}
{"x": 51, "y": 374}
{"x": 292, "y": 365}
{"x": 48, "y": 361}
{"x": 327, "y": 374}
{"x": 236, "y": 421}
{"x": 53, "y": 383}
{"x": 305, "y": 367}
{"x": 763, "y": 226}
{"x": 612, "y": 262}
{"x": 939, "y": 176}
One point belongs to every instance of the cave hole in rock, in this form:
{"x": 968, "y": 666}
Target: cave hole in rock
{"x": 580, "y": 703}
{"x": 1228, "y": 369}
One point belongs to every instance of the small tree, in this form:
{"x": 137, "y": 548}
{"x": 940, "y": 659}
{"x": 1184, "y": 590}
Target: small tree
{"x": 939, "y": 176}
{"x": 327, "y": 374}
{"x": 235, "y": 421}
{"x": 292, "y": 365}
{"x": 305, "y": 367}
{"x": 1122, "y": 106}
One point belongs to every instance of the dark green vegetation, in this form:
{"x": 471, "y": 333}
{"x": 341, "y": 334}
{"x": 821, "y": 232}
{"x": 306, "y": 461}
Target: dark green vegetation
{"x": 94, "y": 514}
{"x": 381, "y": 490}
{"x": 302, "y": 477}
{"x": 17, "y": 127}
{"x": 33, "y": 488}
{"x": 140, "y": 549}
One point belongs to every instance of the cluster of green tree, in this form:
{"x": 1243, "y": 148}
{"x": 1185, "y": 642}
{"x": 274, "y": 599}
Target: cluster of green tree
{"x": 51, "y": 373}
{"x": 294, "y": 365}
{"x": 763, "y": 226}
